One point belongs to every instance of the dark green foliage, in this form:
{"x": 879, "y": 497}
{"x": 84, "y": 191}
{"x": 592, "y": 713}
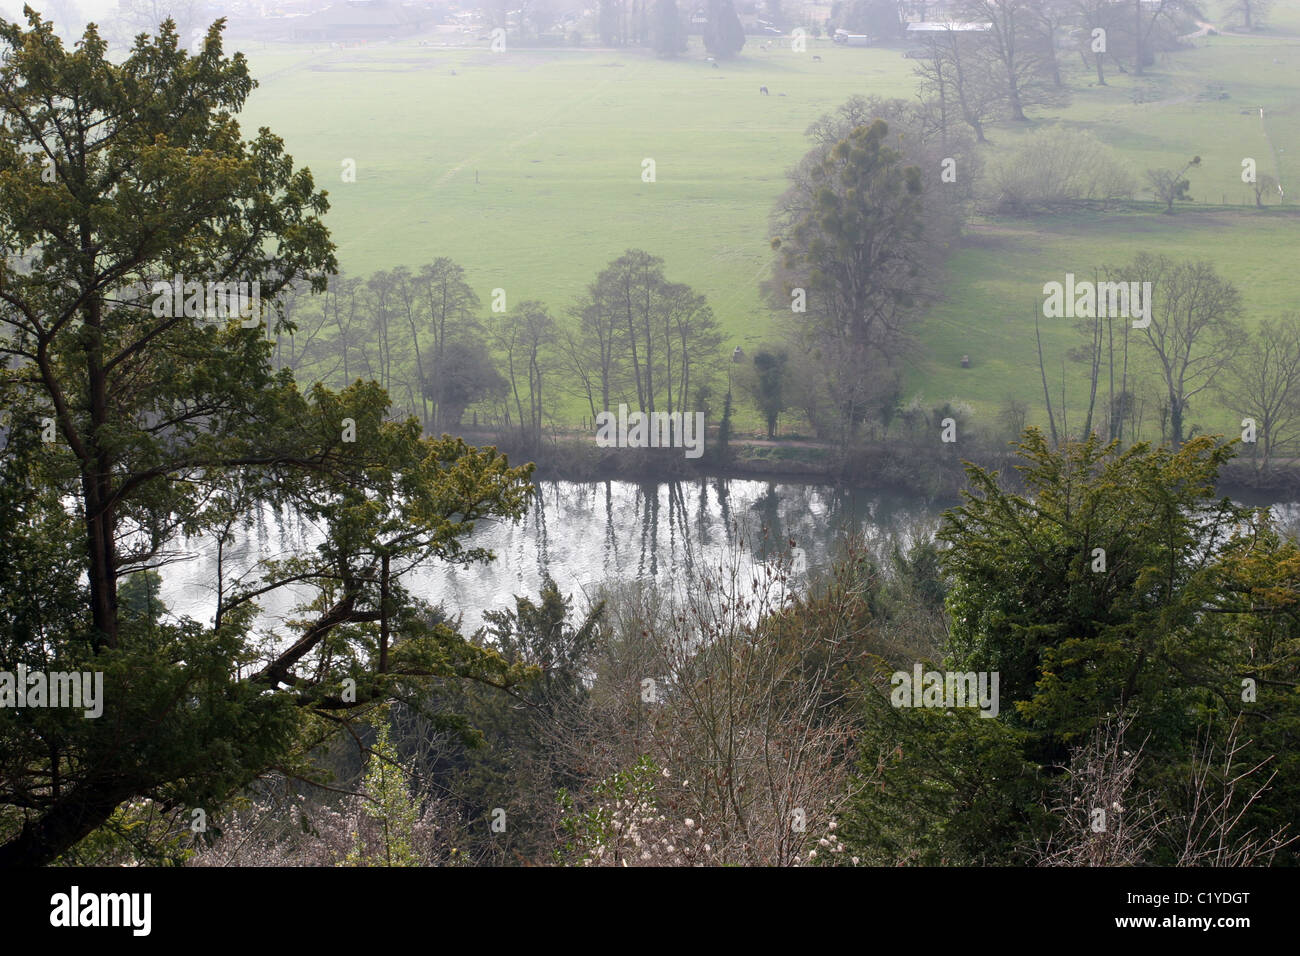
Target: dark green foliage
{"x": 1193, "y": 600}
{"x": 951, "y": 789}
{"x": 1073, "y": 643}
{"x": 514, "y": 755}
{"x": 723, "y": 34}
{"x": 669, "y": 34}
{"x": 769, "y": 386}
{"x": 464, "y": 375}
{"x": 167, "y": 426}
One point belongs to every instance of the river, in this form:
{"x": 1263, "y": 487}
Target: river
{"x": 587, "y": 533}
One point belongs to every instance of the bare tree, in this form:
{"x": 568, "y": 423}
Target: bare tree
{"x": 1049, "y": 18}
{"x": 191, "y": 17}
{"x": 593, "y": 350}
{"x": 303, "y": 334}
{"x": 765, "y": 734}
{"x": 1263, "y": 383}
{"x": 381, "y": 303}
{"x": 1265, "y": 185}
{"x": 742, "y": 710}
{"x": 1169, "y": 186}
{"x": 1193, "y": 331}
{"x": 692, "y": 343}
{"x": 957, "y": 81}
{"x": 1103, "y": 16}
{"x": 341, "y": 304}
{"x": 1102, "y": 822}
{"x": 1144, "y": 27}
{"x": 1093, "y": 330}
{"x": 449, "y": 308}
{"x": 637, "y": 332}
{"x": 1219, "y": 794}
{"x": 526, "y": 336}
{"x": 1252, "y": 12}
{"x": 407, "y": 304}
{"x": 1016, "y": 52}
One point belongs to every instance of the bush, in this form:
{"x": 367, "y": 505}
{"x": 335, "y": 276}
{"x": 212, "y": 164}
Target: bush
{"x": 1057, "y": 165}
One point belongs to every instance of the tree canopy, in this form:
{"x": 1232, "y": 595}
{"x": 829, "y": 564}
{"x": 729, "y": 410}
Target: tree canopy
{"x": 133, "y": 424}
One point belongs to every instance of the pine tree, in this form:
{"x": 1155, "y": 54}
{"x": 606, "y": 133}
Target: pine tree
{"x": 723, "y": 34}
{"x": 669, "y": 37}
{"x": 388, "y": 805}
{"x": 116, "y": 175}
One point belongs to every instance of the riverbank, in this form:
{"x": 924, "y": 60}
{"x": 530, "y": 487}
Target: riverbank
{"x": 907, "y": 467}
{"x": 924, "y": 468}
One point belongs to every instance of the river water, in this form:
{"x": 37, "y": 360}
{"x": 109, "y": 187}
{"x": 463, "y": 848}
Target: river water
{"x": 588, "y": 533}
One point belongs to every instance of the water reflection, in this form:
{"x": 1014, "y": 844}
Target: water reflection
{"x": 587, "y": 533}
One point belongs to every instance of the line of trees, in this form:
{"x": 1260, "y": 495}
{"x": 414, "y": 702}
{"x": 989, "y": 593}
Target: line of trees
{"x": 632, "y": 337}
{"x": 1195, "y": 353}
{"x": 999, "y": 58}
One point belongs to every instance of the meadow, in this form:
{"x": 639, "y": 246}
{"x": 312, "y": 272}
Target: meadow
{"x": 526, "y": 168}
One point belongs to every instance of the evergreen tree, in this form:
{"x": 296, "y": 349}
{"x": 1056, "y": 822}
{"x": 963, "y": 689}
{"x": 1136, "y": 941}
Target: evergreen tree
{"x": 1087, "y": 594}
{"x": 723, "y": 34}
{"x": 386, "y": 802}
{"x": 115, "y": 176}
{"x": 768, "y": 386}
{"x": 609, "y": 22}
{"x": 669, "y": 36}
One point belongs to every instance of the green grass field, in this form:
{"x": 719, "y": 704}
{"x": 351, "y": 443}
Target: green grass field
{"x": 557, "y": 139}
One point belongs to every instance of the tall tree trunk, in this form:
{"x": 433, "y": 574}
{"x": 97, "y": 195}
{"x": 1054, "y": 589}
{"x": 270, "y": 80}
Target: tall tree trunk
{"x": 384, "y": 611}
{"x": 1095, "y": 356}
{"x": 1137, "y": 35}
{"x": 97, "y": 487}
{"x": 72, "y": 818}
{"x": 1042, "y": 371}
{"x": 1110, "y": 365}
{"x": 1123, "y": 388}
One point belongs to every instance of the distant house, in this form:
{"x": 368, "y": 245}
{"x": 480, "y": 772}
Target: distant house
{"x": 358, "y": 20}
